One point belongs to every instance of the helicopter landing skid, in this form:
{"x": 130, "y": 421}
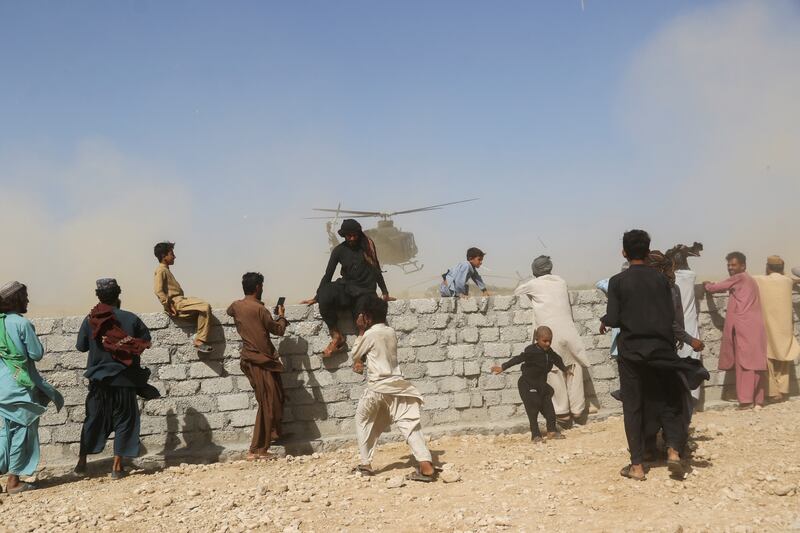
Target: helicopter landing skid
{"x": 410, "y": 267}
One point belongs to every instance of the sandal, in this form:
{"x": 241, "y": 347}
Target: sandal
{"x": 626, "y": 472}
{"x": 675, "y": 468}
{"x": 364, "y": 470}
{"x": 22, "y": 487}
{"x": 118, "y": 474}
{"x": 419, "y": 476}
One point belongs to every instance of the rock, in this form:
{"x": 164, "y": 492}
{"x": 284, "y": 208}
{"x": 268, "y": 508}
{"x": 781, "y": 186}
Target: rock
{"x": 450, "y": 476}
{"x": 784, "y": 490}
{"x": 395, "y": 482}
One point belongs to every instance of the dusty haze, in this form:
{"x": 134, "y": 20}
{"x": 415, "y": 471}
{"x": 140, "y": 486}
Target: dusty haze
{"x": 709, "y": 103}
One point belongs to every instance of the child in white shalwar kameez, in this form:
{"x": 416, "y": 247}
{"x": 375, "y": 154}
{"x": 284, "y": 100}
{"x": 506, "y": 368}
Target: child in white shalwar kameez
{"x": 388, "y": 397}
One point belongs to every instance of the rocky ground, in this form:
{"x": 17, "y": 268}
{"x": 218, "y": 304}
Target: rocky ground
{"x": 745, "y": 477}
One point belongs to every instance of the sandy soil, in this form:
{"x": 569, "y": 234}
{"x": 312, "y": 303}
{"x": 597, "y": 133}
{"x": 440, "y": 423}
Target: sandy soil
{"x": 745, "y": 476}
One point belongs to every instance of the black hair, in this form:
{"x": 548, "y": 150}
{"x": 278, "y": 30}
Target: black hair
{"x": 474, "y": 252}
{"x": 636, "y": 244}
{"x": 108, "y": 296}
{"x": 376, "y": 308}
{"x": 14, "y": 303}
{"x": 161, "y": 249}
{"x": 251, "y": 281}
{"x": 739, "y": 256}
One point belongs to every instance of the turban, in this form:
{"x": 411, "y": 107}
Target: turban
{"x": 349, "y": 226}
{"x": 106, "y": 284}
{"x": 10, "y": 288}
{"x": 542, "y": 265}
{"x": 775, "y": 260}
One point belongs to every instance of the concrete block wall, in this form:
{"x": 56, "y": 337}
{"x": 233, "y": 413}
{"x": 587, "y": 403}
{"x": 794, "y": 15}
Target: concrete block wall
{"x": 446, "y": 348}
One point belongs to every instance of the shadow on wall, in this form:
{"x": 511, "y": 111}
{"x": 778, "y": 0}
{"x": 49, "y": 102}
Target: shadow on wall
{"x": 216, "y": 339}
{"x": 197, "y": 435}
{"x": 310, "y": 386}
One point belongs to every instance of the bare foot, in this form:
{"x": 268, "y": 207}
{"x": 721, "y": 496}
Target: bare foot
{"x": 426, "y": 468}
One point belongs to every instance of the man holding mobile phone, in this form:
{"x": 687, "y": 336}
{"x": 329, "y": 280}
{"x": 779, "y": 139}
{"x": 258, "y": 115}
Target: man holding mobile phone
{"x": 260, "y": 361}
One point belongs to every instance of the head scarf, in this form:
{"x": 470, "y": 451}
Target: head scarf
{"x": 370, "y": 252}
{"x": 661, "y": 263}
{"x": 10, "y": 289}
{"x": 542, "y": 265}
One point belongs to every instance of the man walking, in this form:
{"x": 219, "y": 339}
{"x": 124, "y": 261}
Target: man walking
{"x": 640, "y": 304}
{"x": 744, "y": 339}
{"x": 550, "y": 300}
{"x": 115, "y": 340}
{"x": 259, "y": 361}
{"x": 775, "y": 291}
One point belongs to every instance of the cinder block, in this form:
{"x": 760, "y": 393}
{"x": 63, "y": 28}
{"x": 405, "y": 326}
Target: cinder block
{"x": 462, "y": 400}
{"x": 438, "y": 321}
{"x": 491, "y": 382}
{"x": 424, "y": 305}
{"x": 233, "y": 402}
{"x": 433, "y": 353}
{"x": 46, "y": 326}
{"x": 404, "y": 323}
{"x": 492, "y": 349}
{"x": 183, "y": 388}
{"x": 468, "y": 335}
{"x": 155, "y": 320}
{"x": 490, "y": 334}
{"x": 461, "y": 351}
{"x": 172, "y": 372}
{"x": 452, "y": 384}
{"x": 413, "y": 370}
{"x": 502, "y": 303}
{"x": 514, "y": 334}
{"x": 472, "y": 368}
{"x": 155, "y": 355}
{"x": 424, "y": 338}
{"x": 242, "y": 419}
{"x": 437, "y": 401}
{"x": 444, "y": 368}
{"x": 216, "y": 385}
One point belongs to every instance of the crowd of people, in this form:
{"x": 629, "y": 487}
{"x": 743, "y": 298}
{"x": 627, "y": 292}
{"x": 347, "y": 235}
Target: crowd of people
{"x": 651, "y": 312}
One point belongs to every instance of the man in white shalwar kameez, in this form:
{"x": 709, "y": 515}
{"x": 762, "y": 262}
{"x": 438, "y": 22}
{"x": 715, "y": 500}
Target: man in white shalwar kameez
{"x": 388, "y": 397}
{"x": 685, "y": 280}
{"x": 550, "y": 300}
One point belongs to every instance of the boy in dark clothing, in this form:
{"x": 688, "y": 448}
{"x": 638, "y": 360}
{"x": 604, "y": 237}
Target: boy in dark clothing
{"x": 537, "y": 361}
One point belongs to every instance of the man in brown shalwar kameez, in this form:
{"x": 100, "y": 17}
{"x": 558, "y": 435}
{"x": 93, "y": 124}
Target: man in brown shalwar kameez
{"x": 260, "y": 361}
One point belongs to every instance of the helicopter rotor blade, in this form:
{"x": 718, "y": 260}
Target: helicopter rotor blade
{"x": 430, "y": 207}
{"x": 328, "y": 218}
{"x": 349, "y": 211}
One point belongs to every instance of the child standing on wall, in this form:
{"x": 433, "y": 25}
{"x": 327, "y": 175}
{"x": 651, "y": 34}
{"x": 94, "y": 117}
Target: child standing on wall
{"x": 454, "y": 281}
{"x": 537, "y": 361}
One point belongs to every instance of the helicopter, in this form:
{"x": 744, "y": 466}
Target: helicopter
{"x": 395, "y": 247}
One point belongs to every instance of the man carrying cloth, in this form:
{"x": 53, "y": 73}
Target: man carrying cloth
{"x": 388, "y": 398}
{"x": 775, "y": 291}
{"x": 115, "y": 340}
{"x": 550, "y": 301}
{"x": 170, "y": 294}
{"x": 260, "y": 362}
{"x": 744, "y": 339}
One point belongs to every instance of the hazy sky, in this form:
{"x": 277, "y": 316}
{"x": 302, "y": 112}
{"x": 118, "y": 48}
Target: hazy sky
{"x": 218, "y": 125}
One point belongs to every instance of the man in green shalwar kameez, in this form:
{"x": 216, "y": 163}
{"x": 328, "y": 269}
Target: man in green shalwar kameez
{"x": 24, "y": 395}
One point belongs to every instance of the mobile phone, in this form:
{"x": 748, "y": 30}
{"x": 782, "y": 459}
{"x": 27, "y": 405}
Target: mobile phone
{"x": 280, "y": 303}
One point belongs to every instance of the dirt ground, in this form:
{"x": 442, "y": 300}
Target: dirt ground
{"x": 745, "y": 476}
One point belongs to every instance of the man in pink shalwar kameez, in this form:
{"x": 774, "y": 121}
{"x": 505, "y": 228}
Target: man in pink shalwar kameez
{"x": 744, "y": 340}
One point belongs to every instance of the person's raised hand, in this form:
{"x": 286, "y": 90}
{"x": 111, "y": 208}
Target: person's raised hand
{"x": 698, "y": 345}
{"x": 358, "y": 367}
{"x": 310, "y": 301}
{"x": 387, "y": 298}
{"x": 497, "y": 369}
{"x": 281, "y": 311}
